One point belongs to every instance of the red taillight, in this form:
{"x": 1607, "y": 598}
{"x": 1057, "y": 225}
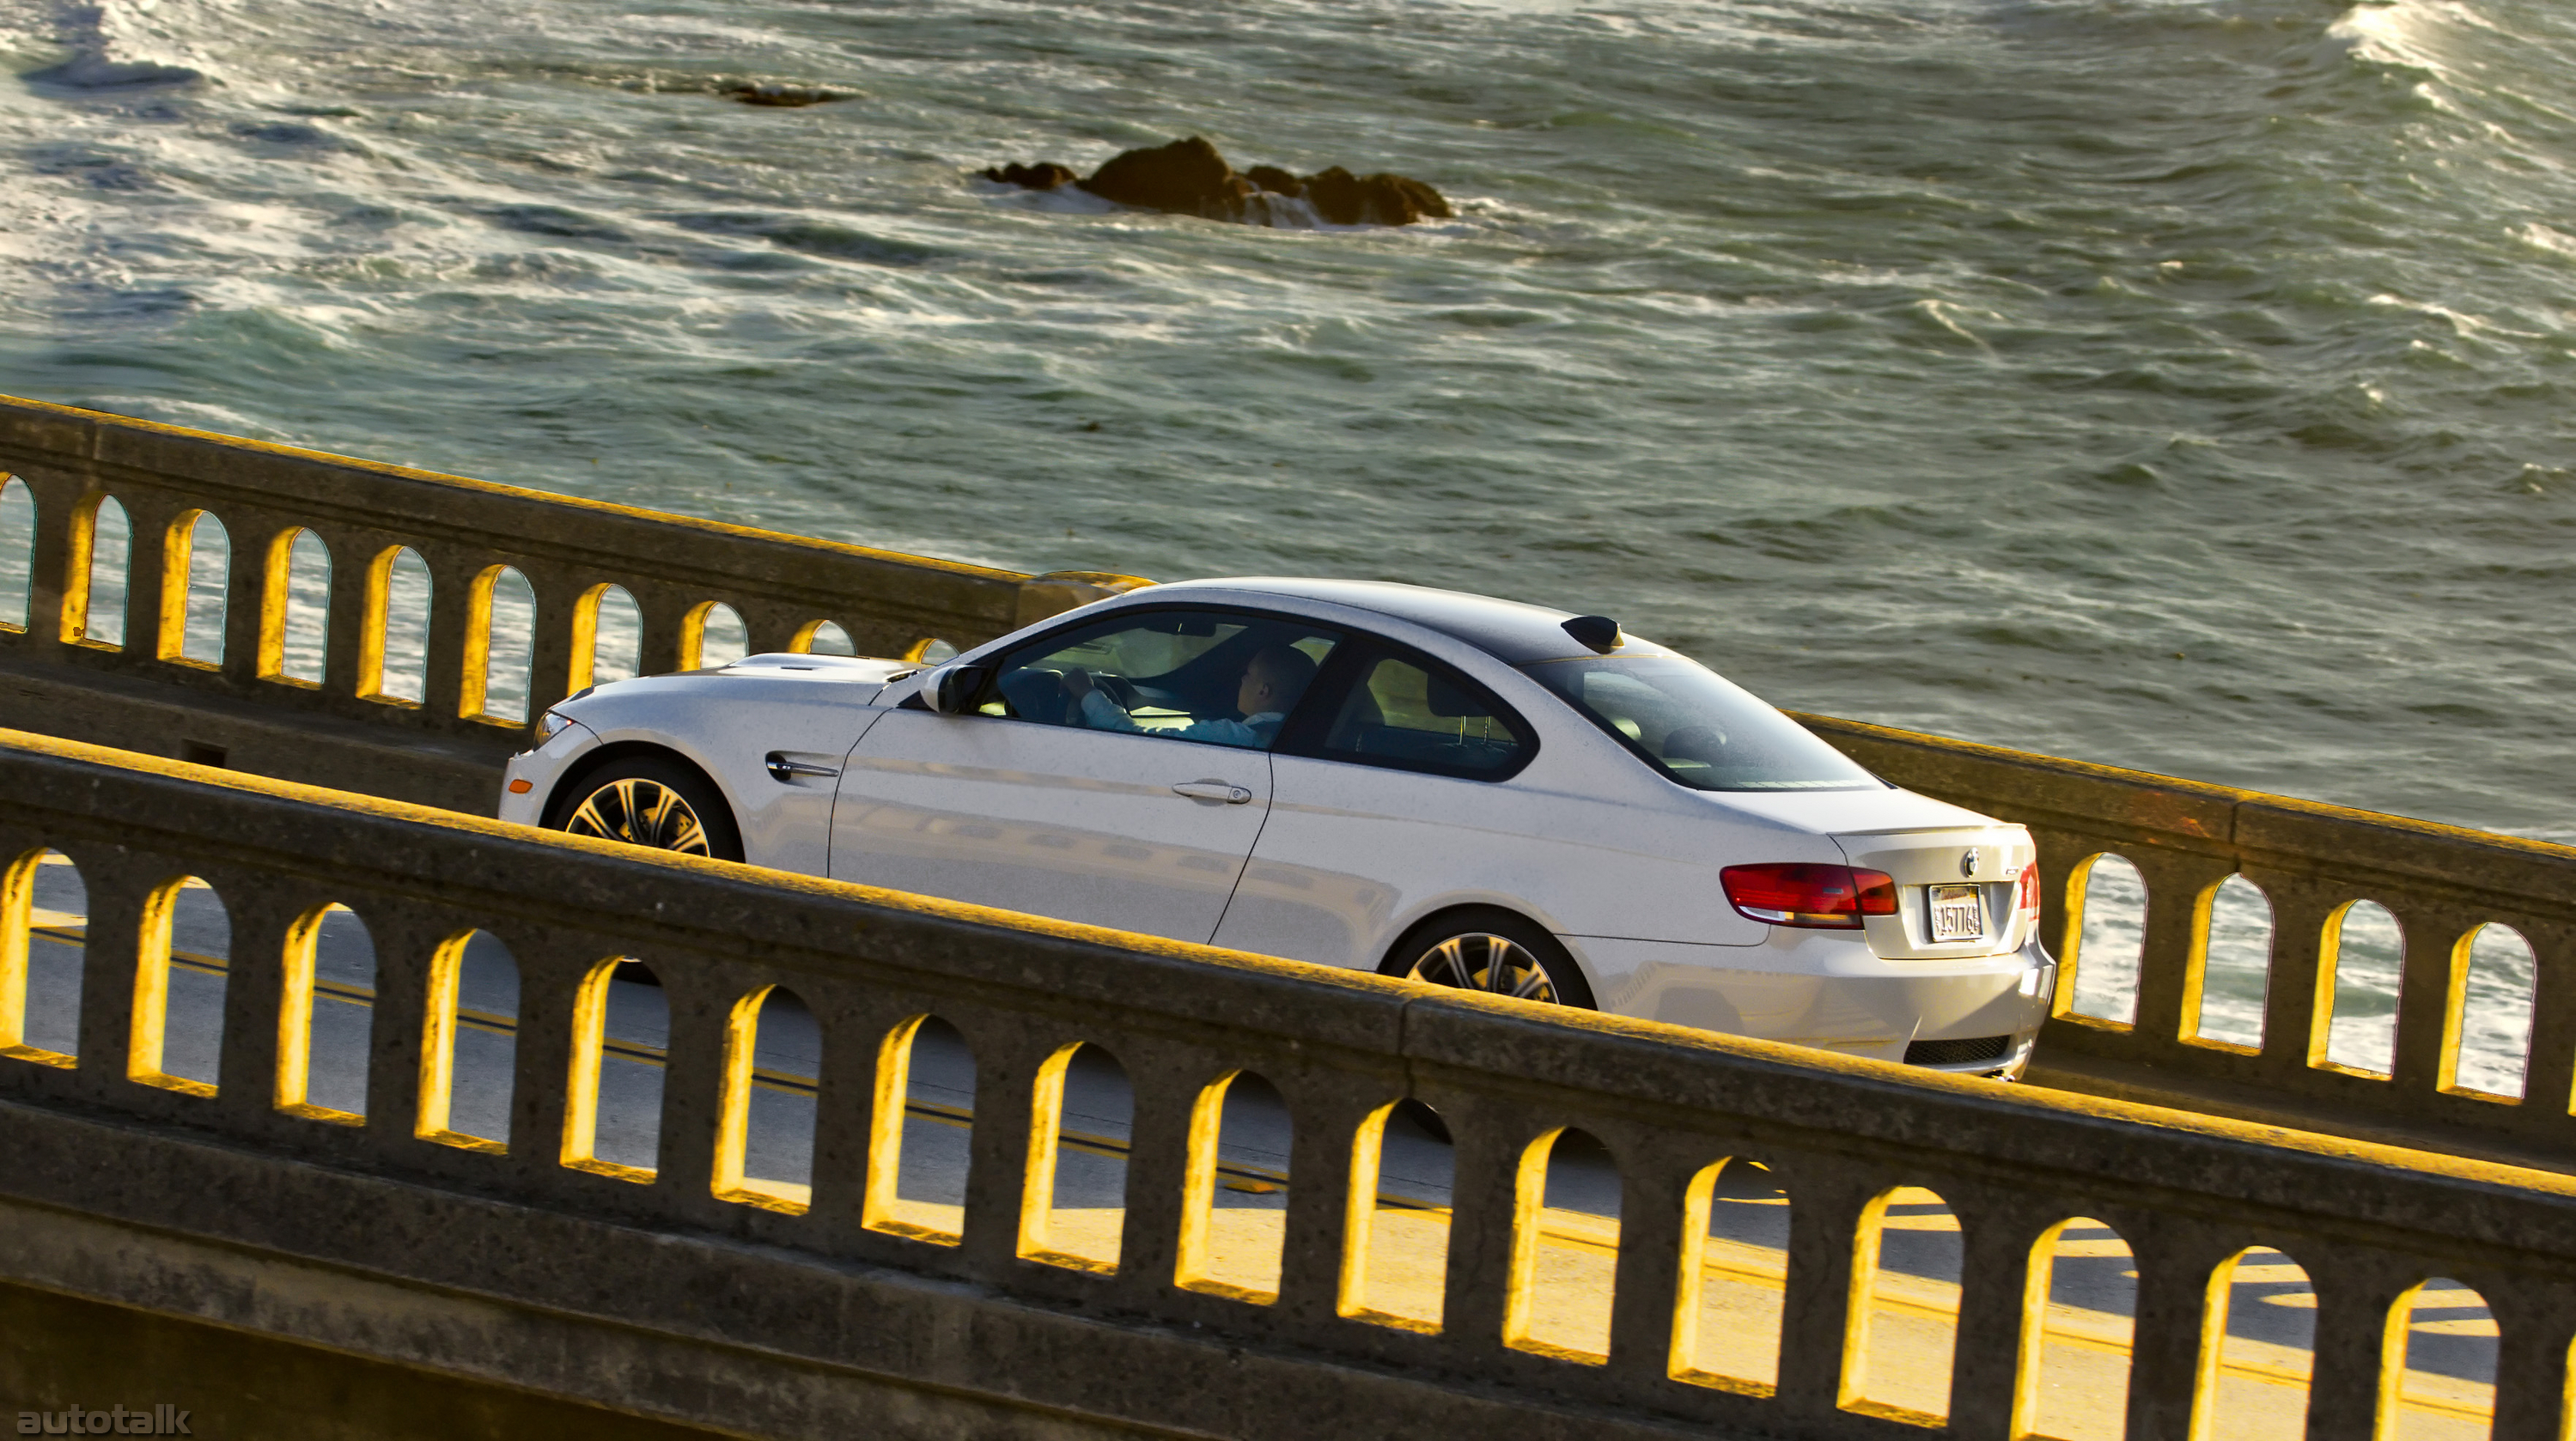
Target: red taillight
{"x": 1809, "y": 894}
{"x": 2026, "y": 896}
{"x": 1877, "y": 892}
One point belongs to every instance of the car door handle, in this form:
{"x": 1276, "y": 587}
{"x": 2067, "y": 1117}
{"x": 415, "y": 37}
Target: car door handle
{"x": 1232, "y": 795}
{"x": 785, "y": 771}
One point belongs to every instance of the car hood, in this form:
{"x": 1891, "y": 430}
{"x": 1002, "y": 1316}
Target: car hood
{"x": 770, "y": 675}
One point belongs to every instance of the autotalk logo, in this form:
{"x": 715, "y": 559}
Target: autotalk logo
{"x": 162, "y": 1420}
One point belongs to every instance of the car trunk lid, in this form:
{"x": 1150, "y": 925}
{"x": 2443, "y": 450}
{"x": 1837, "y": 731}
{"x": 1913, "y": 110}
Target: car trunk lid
{"x": 1955, "y": 888}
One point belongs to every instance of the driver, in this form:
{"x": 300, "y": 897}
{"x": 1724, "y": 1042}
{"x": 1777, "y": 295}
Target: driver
{"x": 1272, "y": 680}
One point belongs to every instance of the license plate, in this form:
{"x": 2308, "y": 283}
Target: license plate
{"x": 1958, "y": 913}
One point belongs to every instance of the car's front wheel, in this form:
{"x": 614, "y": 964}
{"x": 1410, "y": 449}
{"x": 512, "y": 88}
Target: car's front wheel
{"x": 650, "y": 801}
{"x": 1492, "y": 951}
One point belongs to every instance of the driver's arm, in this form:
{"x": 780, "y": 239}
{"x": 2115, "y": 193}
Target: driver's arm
{"x": 1099, "y": 712}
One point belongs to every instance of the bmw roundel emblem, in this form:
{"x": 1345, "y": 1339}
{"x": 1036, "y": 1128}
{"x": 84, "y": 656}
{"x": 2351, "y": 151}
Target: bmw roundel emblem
{"x": 1968, "y": 864}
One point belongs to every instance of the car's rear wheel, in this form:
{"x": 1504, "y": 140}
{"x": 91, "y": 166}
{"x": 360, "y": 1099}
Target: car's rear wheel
{"x": 654, "y": 802}
{"x": 1495, "y": 952}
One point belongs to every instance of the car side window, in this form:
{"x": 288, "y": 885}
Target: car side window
{"x": 1211, "y": 677}
{"x": 1411, "y": 713}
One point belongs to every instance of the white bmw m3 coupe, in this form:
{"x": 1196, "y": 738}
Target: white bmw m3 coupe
{"x": 1462, "y": 790}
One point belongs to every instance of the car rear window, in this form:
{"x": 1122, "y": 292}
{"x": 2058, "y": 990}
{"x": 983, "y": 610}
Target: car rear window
{"x": 1698, "y": 727}
{"x": 1410, "y": 716}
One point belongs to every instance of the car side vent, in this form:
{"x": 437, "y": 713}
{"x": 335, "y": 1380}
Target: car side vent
{"x": 1957, "y": 1053}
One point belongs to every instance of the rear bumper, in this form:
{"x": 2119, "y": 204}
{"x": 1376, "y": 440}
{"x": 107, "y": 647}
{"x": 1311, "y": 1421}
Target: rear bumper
{"x": 1830, "y": 991}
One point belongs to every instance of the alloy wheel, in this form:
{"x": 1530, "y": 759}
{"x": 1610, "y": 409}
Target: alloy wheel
{"x": 640, "y": 812}
{"x": 1483, "y": 961}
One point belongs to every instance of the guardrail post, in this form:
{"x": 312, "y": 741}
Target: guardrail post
{"x": 768, "y": 625}
{"x": 1325, "y": 1112}
{"x": 2293, "y": 1018}
{"x": 1007, "y": 1057}
{"x": 2354, "y": 1291}
{"x": 1164, "y": 1083}
{"x": 1489, "y": 1135}
{"x": 2059, "y": 853}
{"x": 1826, "y": 1198}
{"x": 451, "y": 624}
{"x": 251, "y": 533}
{"x": 49, "y": 562}
{"x": 406, "y": 938}
{"x": 254, "y": 995}
{"x": 550, "y": 975}
{"x": 700, "y": 998}
{"x": 1655, "y": 1172}
{"x": 2175, "y": 1259}
{"x": 2432, "y": 930}
{"x": 1996, "y": 1234}
{"x": 118, "y": 885}
{"x": 550, "y": 647}
{"x": 2174, "y": 881}
{"x": 854, "y": 1027}
{"x": 877, "y": 635}
{"x": 2533, "y": 1325}
{"x": 664, "y": 613}
{"x": 345, "y": 624}
{"x": 2549, "y": 1073}
{"x": 153, "y": 595}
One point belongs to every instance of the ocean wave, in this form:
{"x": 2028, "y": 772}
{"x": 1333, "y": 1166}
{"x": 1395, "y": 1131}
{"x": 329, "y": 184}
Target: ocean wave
{"x": 812, "y": 236}
{"x": 226, "y": 420}
{"x": 2546, "y": 238}
{"x": 90, "y": 71}
{"x": 2407, "y": 33}
{"x": 112, "y": 46}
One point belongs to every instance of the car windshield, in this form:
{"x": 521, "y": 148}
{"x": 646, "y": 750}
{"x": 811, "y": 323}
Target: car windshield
{"x": 1698, "y": 727}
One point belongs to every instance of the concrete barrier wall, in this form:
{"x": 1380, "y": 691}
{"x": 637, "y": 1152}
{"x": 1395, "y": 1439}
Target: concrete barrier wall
{"x": 472, "y": 536}
{"x": 688, "y": 1292}
{"x": 2312, "y": 863}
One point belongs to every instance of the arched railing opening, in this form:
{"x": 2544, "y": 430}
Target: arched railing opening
{"x": 1395, "y": 1258}
{"x": 1074, "y": 1212}
{"x": 921, "y": 1133}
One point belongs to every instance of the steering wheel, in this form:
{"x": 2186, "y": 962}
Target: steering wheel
{"x": 1120, "y": 690}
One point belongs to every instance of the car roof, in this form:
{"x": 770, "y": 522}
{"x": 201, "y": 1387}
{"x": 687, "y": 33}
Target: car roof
{"x": 1512, "y": 631}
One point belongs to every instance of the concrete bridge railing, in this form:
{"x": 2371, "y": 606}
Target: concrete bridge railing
{"x": 691, "y": 1290}
{"x": 2443, "y": 891}
{"x": 2475, "y": 1054}
{"x": 225, "y": 537}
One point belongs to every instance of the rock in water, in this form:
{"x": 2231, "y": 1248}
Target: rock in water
{"x": 1384, "y": 198}
{"x": 1045, "y": 175}
{"x": 757, "y": 92}
{"x": 1189, "y": 177}
{"x": 1186, "y": 177}
{"x": 1275, "y": 180}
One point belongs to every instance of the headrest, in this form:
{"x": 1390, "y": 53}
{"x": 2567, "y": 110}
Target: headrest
{"x": 1449, "y": 700}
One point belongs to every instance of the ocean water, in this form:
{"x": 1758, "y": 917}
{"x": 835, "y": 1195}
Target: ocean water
{"x": 2179, "y": 384}
{"x": 2174, "y": 385}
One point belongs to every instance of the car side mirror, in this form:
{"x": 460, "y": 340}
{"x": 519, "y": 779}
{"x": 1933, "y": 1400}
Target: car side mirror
{"x": 951, "y": 689}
